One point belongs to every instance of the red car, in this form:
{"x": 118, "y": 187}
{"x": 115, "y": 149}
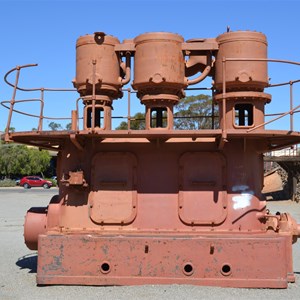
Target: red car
{"x": 33, "y": 181}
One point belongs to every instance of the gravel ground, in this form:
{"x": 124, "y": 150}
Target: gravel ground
{"x": 18, "y": 264}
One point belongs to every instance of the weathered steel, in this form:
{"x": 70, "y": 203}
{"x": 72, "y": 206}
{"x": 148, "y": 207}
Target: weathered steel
{"x": 163, "y": 206}
{"x": 242, "y": 75}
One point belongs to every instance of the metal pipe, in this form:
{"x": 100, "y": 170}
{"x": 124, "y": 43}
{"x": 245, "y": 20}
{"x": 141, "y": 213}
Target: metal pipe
{"x": 265, "y": 123}
{"x": 33, "y": 89}
{"x": 212, "y": 111}
{"x": 128, "y": 69}
{"x": 284, "y": 83}
{"x": 18, "y": 68}
{"x": 198, "y": 89}
{"x": 264, "y": 59}
{"x": 224, "y": 132}
{"x": 224, "y": 95}
{"x": 19, "y": 101}
{"x": 74, "y": 122}
{"x": 204, "y": 74}
{"x": 12, "y": 103}
{"x": 31, "y": 115}
{"x": 77, "y": 109}
{"x": 40, "y": 126}
{"x": 291, "y": 107}
{"x": 94, "y": 94}
{"x": 128, "y": 107}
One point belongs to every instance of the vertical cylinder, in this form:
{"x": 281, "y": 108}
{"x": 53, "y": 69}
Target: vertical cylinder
{"x": 242, "y": 75}
{"x": 97, "y": 50}
{"x": 159, "y": 65}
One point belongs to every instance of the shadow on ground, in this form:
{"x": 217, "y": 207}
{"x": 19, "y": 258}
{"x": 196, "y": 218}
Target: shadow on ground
{"x": 28, "y": 262}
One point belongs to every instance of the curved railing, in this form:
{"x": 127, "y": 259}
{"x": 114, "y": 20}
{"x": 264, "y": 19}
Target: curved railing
{"x": 11, "y": 104}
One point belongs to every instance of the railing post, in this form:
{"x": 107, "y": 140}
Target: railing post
{"x": 291, "y": 107}
{"x": 40, "y": 127}
{"x": 94, "y": 94}
{"x": 128, "y": 112}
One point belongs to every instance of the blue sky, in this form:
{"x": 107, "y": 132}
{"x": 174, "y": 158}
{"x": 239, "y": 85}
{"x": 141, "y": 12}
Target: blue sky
{"x": 45, "y": 32}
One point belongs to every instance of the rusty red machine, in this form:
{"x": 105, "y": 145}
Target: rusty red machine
{"x": 159, "y": 205}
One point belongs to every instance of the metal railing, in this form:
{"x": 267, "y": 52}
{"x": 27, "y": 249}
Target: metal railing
{"x": 10, "y": 104}
{"x": 292, "y": 110}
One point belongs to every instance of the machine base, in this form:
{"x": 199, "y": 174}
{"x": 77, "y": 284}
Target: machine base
{"x": 259, "y": 261}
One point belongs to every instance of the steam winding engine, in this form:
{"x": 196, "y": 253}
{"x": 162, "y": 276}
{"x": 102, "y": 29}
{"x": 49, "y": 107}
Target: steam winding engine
{"x": 159, "y": 205}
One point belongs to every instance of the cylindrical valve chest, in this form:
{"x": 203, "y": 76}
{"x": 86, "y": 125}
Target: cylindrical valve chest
{"x": 243, "y": 74}
{"x": 96, "y": 60}
{"x": 159, "y": 63}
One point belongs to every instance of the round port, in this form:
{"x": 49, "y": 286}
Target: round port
{"x": 226, "y": 270}
{"x": 105, "y": 268}
{"x": 188, "y": 269}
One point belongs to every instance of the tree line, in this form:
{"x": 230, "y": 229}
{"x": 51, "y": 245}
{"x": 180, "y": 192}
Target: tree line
{"x": 18, "y": 160}
{"x": 191, "y": 113}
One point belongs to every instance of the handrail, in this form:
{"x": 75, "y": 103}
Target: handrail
{"x": 32, "y": 115}
{"x": 10, "y": 104}
{"x": 291, "y": 82}
{"x": 275, "y": 119}
{"x": 16, "y": 88}
{"x": 18, "y": 68}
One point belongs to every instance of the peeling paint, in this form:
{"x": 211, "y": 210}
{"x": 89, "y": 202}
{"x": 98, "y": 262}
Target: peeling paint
{"x": 241, "y": 201}
{"x": 244, "y": 199}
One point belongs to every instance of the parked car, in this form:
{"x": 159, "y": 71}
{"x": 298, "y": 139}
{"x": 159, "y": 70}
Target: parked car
{"x": 34, "y": 181}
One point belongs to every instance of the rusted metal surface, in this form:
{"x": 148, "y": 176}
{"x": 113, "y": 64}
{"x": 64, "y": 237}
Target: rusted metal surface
{"x": 242, "y": 75}
{"x": 163, "y": 206}
{"x": 206, "y": 260}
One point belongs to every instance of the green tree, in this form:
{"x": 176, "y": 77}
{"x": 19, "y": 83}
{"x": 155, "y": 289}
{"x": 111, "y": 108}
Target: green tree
{"x": 10, "y": 129}
{"x": 54, "y": 126}
{"x": 39, "y": 160}
{"x": 21, "y": 160}
{"x": 137, "y": 122}
{"x": 195, "y": 112}
{"x": 69, "y": 126}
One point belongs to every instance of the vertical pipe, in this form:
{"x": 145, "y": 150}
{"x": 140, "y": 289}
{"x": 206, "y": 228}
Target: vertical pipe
{"x": 224, "y": 94}
{"x": 74, "y": 120}
{"x": 170, "y": 117}
{"x": 291, "y": 107}
{"x": 128, "y": 112}
{"x": 94, "y": 95}
{"x": 77, "y": 110}
{"x": 212, "y": 111}
{"x": 148, "y": 118}
{"x": 224, "y": 133}
{"x": 127, "y": 71}
{"x": 40, "y": 127}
